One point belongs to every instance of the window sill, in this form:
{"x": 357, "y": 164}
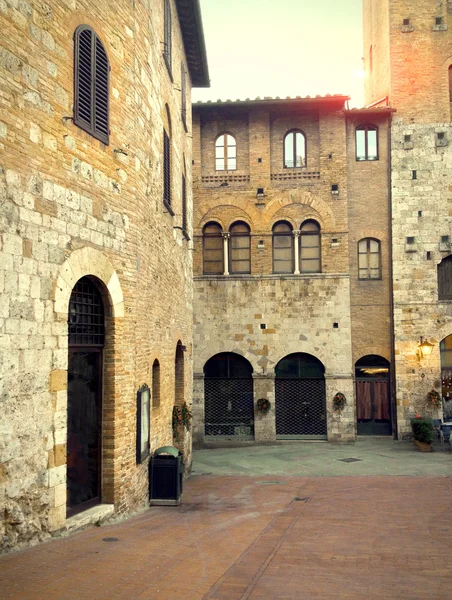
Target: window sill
{"x": 272, "y": 276}
{"x": 168, "y": 208}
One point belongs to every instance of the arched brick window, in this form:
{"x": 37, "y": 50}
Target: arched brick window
{"x": 239, "y": 248}
{"x": 294, "y": 149}
{"x": 91, "y": 84}
{"x": 225, "y": 153}
{"x": 213, "y": 250}
{"x": 310, "y": 247}
{"x": 445, "y": 279}
{"x": 369, "y": 259}
{"x": 283, "y": 248}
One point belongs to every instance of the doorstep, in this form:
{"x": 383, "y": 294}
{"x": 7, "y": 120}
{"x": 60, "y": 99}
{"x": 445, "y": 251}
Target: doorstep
{"x": 92, "y": 516}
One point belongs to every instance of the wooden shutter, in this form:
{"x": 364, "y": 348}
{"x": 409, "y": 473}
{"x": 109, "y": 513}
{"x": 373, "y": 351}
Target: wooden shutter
{"x": 168, "y": 35}
{"x": 184, "y": 208}
{"x": 184, "y": 95}
{"x": 166, "y": 169}
{"x": 91, "y": 79}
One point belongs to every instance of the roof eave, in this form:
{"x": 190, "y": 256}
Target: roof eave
{"x": 190, "y": 19}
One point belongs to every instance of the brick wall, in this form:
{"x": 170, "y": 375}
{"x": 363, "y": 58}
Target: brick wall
{"x": 71, "y": 206}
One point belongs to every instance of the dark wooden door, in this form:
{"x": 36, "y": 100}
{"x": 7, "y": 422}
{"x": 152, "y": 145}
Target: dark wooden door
{"x": 84, "y": 429}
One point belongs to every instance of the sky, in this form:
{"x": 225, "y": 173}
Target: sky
{"x": 284, "y": 48}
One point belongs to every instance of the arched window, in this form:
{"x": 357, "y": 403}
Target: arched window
{"x": 310, "y": 247}
{"x": 366, "y": 142}
{"x": 213, "y": 259}
{"x": 225, "y": 153}
{"x": 239, "y": 248}
{"x": 369, "y": 259}
{"x": 167, "y": 46}
{"x": 294, "y": 149}
{"x": 155, "y": 384}
{"x": 445, "y": 279}
{"x": 283, "y": 255}
{"x": 91, "y": 84}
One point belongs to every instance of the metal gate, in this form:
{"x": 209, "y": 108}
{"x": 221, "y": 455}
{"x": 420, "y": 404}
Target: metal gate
{"x": 229, "y": 409}
{"x": 300, "y": 409}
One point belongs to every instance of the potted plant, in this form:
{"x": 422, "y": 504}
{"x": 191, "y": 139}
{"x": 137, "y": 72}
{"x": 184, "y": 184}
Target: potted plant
{"x": 423, "y": 433}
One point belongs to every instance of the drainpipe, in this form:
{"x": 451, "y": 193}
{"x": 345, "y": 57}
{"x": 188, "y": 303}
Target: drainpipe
{"x": 392, "y": 383}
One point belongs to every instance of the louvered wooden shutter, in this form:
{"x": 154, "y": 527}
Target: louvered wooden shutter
{"x": 166, "y": 169}
{"x": 184, "y": 207}
{"x": 184, "y": 95}
{"x": 91, "y": 84}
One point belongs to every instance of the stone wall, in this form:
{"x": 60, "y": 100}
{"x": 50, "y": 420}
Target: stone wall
{"x": 71, "y": 206}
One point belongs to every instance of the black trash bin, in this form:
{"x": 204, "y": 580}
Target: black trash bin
{"x": 166, "y": 472}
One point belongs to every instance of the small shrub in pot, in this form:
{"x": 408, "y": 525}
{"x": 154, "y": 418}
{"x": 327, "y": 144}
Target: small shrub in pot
{"x": 422, "y": 429}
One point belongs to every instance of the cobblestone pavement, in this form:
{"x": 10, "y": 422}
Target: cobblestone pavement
{"x": 258, "y": 538}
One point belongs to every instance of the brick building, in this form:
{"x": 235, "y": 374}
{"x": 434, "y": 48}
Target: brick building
{"x": 292, "y": 294}
{"x": 95, "y": 260}
{"x": 408, "y": 59}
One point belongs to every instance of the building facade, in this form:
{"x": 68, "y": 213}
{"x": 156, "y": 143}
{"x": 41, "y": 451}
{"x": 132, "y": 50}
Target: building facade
{"x": 408, "y": 59}
{"x": 292, "y": 285}
{"x": 95, "y": 254}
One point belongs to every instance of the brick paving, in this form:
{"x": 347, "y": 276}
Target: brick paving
{"x": 257, "y": 538}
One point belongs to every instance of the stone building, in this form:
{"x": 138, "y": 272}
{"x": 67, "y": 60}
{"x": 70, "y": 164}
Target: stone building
{"x": 292, "y": 278}
{"x": 408, "y": 59}
{"x": 95, "y": 252}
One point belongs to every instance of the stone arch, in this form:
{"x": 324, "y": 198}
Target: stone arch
{"x": 225, "y": 215}
{"x": 297, "y": 196}
{"x": 296, "y": 214}
{"x": 88, "y": 261}
{"x": 377, "y": 234}
{"x": 370, "y": 350}
{"x": 206, "y": 353}
{"x": 307, "y": 348}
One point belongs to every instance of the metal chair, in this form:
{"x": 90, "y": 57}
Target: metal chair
{"x": 445, "y": 432}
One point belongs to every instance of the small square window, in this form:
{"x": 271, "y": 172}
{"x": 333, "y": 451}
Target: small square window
{"x": 407, "y": 138}
{"x": 428, "y": 255}
{"x": 410, "y": 240}
{"x": 438, "y": 20}
{"x": 413, "y": 174}
{"x": 444, "y": 239}
{"x": 440, "y": 135}
{"x": 406, "y": 22}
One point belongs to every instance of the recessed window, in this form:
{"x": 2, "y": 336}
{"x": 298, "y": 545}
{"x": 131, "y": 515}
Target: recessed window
{"x": 310, "y": 247}
{"x": 366, "y": 143}
{"x": 155, "y": 384}
{"x": 294, "y": 149}
{"x": 91, "y": 83}
{"x": 184, "y": 208}
{"x": 414, "y": 174}
{"x": 407, "y": 138}
{"x": 438, "y": 20}
{"x": 167, "y": 45}
{"x": 369, "y": 259}
{"x": 440, "y": 135}
{"x": 283, "y": 248}
{"x": 406, "y": 22}
{"x": 239, "y": 248}
{"x": 410, "y": 240}
{"x": 225, "y": 153}
{"x": 444, "y": 239}
{"x": 445, "y": 279}
{"x": 213, "y": 249}
{"x": 183, "y": 85}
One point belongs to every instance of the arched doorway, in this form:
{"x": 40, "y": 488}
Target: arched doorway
{"x": 86, "y": 323}
{"x": 300, "y": 398}
{"x": 228, "y": 398}
{"x": 446, "y": 376}
{"x": 373, "y": 408}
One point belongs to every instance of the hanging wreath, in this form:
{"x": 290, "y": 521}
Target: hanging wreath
{"x": 434, "y": 398}
{"x": 263, "y": 406}
{"x": 339, "y": 401}
{"x": 186, "y": 416}
{"x": 177, "y": 420}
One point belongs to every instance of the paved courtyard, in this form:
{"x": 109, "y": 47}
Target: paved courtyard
{"x": 255, "y": 530}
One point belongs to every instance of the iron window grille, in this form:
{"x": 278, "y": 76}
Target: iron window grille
{"x": 369, "y": 259}
{"x": 86, "y": 315}
{"x": 91, "y": 83}
{"x": 310, "y": 250}
{"x": 366, "y": 137}
{"x": 294, "y": 149}
{"x": 167, "y": 51}
{"x": 239, "y": 249}
{"x": 167, "y": 171}
{"x": 283, "y": 248}
{"x": 225, "y": 153}
{"x": 213, "y": 250}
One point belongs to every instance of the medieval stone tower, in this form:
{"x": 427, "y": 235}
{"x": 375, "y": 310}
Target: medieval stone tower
{"x": 408, "y": 58}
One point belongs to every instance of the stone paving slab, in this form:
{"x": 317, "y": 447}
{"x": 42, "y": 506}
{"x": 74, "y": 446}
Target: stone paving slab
{"x": 257, "y": 538}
